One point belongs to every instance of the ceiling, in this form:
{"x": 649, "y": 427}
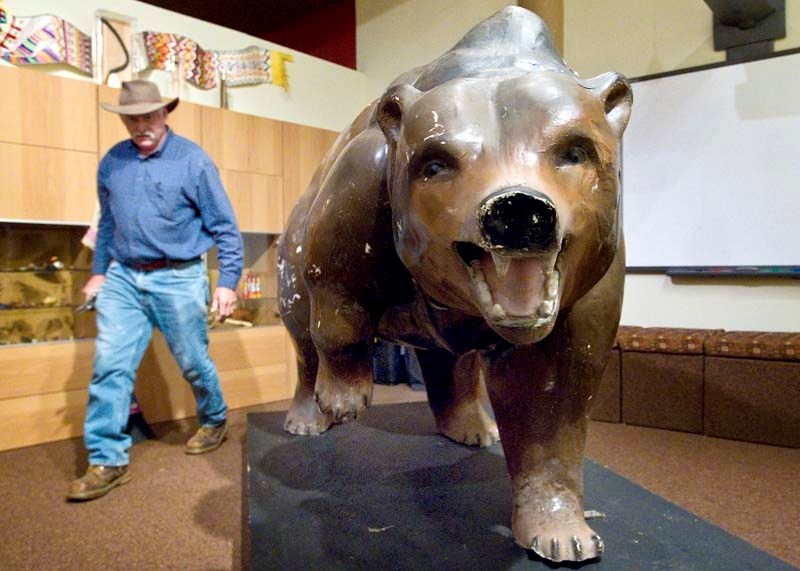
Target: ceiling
{"x": 322, "y": 28}
{"x": 254, "y": 17}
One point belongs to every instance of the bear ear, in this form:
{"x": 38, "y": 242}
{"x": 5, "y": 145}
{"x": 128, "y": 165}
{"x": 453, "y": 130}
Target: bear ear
{"x": 617, "y": 96}
{"x": 391, "y": 108}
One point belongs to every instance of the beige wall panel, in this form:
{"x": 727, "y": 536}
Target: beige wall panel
{"x": 186, "y": 121}
{"x": 49, "y": 184}
{"x": 303, "y": 151}
{"x": 257, "y": 200}
{"x": 552, "y": 12}
{"x": 41, "y": 418}
{"x": 43, "y": 368}
{"x": 110, "y": 129}
{"x": 243, "y": 142}
{"x": 41, "y": 109}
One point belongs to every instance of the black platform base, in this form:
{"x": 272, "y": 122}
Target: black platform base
{"x": 387, "y": 492}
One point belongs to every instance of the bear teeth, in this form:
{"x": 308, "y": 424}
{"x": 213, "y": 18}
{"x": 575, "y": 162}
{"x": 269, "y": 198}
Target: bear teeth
{"x": 546, "y": 308}
{"x": 501, "y": 264}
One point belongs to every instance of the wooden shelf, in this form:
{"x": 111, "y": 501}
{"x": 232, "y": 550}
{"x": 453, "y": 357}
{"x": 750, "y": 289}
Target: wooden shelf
{"x": 47, "y": 111}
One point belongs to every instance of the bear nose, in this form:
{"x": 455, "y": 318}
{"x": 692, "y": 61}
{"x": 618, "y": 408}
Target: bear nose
{"x": 518, "y": 218}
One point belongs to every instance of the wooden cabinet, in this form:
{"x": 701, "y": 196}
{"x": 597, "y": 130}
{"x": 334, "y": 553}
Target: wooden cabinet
{"x": 45, "y": 399}
{"x": 303, "y": 150}
{"x": 244, "y": 143}
{"x": 251, "y": 365}
{"x": 47, "y": 111}
{"x": 248, "y": 150}
{"x": 47, "y": 184}
{"x": 48, "y": 147}
{"x": 257, "y": 200}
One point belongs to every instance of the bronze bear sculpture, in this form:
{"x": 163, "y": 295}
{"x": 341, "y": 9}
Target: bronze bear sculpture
{"x": 472, "y": 212}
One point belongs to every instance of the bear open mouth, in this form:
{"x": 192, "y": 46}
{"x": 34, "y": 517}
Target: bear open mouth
{"x": 519, "y": 290}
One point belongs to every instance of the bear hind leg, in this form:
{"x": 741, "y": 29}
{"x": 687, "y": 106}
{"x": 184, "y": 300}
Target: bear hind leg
{"x": 456, "y": 396}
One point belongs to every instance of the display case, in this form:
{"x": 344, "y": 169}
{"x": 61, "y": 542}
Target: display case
{"x": 43, "y": 269}
{"x": 42, "y": 272}
{"x": 258, "y": 286}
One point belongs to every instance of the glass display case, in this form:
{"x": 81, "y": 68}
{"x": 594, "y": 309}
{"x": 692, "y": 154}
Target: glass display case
{"x": 42, "y": 271}
{"x": 44, "y": 267}
{"x": 258, "y": 287}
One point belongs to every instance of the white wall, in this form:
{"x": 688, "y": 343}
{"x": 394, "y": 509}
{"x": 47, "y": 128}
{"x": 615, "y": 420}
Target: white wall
{"x": 321, "y": 94}
{"x": 639, "y": 37}
{"x": 394, "y": 36}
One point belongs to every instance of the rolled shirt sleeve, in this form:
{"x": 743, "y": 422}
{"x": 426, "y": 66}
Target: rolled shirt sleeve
{"x": 218, "y": 218}
{"x": 102, "y": 256}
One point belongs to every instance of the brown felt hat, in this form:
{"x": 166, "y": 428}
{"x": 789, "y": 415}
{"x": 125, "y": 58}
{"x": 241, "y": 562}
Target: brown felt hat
{"x": 138, "y": 97}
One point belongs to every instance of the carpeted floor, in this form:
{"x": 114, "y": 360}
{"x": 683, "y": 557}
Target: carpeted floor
{"x": 186, "y": 513}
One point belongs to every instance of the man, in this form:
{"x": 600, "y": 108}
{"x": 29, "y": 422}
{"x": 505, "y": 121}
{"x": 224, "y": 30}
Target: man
{"x": 162, "y": 206}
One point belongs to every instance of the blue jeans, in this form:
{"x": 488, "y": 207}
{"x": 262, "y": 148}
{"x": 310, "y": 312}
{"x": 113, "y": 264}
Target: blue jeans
{"x": 129, "y": 304}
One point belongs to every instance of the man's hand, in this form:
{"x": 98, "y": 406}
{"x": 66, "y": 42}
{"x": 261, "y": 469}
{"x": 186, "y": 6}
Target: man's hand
{"x": 223, "y": 302}
{"x": 93, "y": 286}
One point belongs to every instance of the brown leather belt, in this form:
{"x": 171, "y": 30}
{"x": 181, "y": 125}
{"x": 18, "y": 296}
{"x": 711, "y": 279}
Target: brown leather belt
{"x": 161, "y": 264}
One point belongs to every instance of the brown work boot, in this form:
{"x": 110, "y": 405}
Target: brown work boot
{"x": 97, "y": 482}
{"x": 207, "y": 438}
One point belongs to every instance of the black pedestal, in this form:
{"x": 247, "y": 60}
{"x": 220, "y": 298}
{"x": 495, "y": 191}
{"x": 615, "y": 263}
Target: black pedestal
{"x": 387, "y": 492}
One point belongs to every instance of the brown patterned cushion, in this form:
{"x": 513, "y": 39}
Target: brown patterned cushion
{"x": 624, "y": 332}
{"x": 666, "y": 340}
{"x": 755, "y": 345}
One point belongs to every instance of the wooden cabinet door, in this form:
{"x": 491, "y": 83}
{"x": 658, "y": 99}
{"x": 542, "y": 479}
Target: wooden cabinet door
{"x": 244, "y": 143}
{"x": 251, "y": 366}
{"x": 47, "y": 111}
{"x": 303, "y": 151}
{"x": 185, "y": 120}
{"x": 52, "y": 185}
{"x": 257, "y": 200}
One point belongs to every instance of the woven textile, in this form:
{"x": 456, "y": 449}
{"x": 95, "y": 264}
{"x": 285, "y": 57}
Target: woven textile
{"x": 249, "y": 66}
{"x": 755, "y": 345}
{"x": 46, "y": 39}
{"x": 206, "y": 68}
{"x": 166, "y": 51}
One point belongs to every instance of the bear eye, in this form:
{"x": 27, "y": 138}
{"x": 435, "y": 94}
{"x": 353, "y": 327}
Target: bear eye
{"x": 434, "y": 167}
{"x": 574, "y": 156}
{"x": 576, "y": 152}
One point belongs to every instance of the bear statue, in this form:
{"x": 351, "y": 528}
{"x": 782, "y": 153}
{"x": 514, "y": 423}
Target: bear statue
{"x": 472, "y": 212}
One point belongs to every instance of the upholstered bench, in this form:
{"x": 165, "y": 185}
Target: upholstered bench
{"x": 607, "y": 407}
{"x": 752, "y": 387}
{"x": 662, "y": 377}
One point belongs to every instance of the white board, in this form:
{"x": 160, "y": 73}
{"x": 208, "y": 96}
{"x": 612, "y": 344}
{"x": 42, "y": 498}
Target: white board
{"x": 711, "y": 167}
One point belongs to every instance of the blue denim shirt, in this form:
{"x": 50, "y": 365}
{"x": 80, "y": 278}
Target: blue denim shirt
{"x": 170, "y": 204}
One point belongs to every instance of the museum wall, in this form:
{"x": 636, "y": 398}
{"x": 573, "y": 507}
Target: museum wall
{"x": 641, "y": 37}
{"x": 634, "y": 37}
{"x": 320, "y": 94}
{"x": 394, "y": 36}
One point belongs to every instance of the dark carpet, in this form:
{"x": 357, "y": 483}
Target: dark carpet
{"x": 390, "y": 492}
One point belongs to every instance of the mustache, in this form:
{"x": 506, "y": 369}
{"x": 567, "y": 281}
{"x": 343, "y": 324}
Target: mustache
{"x": 149, "y": 134}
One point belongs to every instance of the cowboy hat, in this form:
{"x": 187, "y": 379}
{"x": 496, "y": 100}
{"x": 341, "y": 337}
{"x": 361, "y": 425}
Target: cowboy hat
{"x": 138, "y": 97}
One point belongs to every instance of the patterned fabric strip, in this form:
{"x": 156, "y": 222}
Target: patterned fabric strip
{"x": 165, "y": 51}
{"x": 206, "y": 68}
{"x": 248, "y": 66}
{"x": 46, "y": 39}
